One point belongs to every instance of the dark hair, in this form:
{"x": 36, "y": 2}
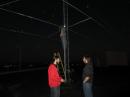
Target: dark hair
{"x": 86, "y": 56}
{"x": 55, "y": 56}
{"x": 89, "y": 58}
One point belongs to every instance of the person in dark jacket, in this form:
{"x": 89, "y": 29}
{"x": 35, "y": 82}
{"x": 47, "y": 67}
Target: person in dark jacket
{"x": 54, "y": 79}
{"x": 87, "y": 76}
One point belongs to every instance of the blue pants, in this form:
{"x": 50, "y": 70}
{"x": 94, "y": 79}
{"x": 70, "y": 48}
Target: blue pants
{"x": 87, "y": 89}
{"x": 55, "y": 91}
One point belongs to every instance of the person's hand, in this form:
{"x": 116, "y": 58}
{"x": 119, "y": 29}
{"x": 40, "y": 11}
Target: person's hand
{"x": 86, "y": 79}
{"x": 62, "y": 80}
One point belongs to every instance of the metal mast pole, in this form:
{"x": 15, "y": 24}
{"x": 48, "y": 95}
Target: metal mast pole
{"x": 66, "y": 37}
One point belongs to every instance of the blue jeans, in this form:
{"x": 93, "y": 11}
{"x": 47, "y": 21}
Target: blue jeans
{"x": 55, "y": 91}
{"x": 87, "y": 89}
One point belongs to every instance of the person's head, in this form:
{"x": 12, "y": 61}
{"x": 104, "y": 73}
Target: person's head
{"x": 56, "y": 59}
{"x": 87, "y": 59}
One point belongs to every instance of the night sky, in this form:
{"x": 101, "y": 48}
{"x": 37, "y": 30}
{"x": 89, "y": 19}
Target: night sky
{"x": 25, "y": 34}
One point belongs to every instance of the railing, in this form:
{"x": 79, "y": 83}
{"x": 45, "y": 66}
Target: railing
{"x": 13, "y": 68}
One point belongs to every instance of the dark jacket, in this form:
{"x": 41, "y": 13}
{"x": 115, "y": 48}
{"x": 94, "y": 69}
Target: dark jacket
{"x": 88, "y": 71}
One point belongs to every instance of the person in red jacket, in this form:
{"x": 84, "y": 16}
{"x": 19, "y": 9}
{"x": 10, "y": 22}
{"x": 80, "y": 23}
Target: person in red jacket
{"x": 54, "y": 79}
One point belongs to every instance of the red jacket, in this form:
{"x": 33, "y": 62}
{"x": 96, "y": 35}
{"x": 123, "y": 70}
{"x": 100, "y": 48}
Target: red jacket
{"x": 54, "y": 78}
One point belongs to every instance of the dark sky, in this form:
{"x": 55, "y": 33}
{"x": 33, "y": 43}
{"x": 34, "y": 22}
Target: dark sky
{"x": 34, "y": 40}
